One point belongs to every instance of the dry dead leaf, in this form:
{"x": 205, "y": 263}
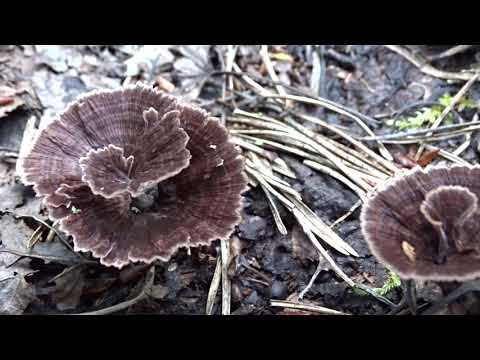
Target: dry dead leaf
{"x": 148, "y": 58}
{"x": 98, "y": 286}
{"x": 15, "y": 293}
{"x": 14, "y": 236}
{"x": 68, "y": 289}
{"x": 193, "y": 69}
{"x": 11, "y": 196}
{"x": 428, "y": 157}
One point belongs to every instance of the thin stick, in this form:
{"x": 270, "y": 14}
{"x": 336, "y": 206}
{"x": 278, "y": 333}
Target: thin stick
{"x": 62, "y": 239}
{"x": 276, "y": 214}
{"x": 27, "y": 141}
{"x": 432, "y": 138}
{"x": 447, "y": 155}
{"x": 260, "y": 90}
{"x": 319, "y": 228}
{"x": 256, "y": 122}
{"x": 347, "y": 214}
{"x": 325, "y": 169}
{"x": 428, "y": 69}
{"x": 226, "y": 284}
{"x": 126, "y": 304}
{"x": 214, "y": 285}
{"x": 336, "y": 109}
{"x": 450, "y": 52}
{"x": 295, "y": 90}
{"x": 231, "y": 53}
{"x": 385, "y": 163}
{"x": 305, "y": 307}
{"x": 447, "y": 109}
{"x": 335, "y": 267}
{"x": 312, "y": 280}
{"x": 271, "y": 71}
{"x": 258, "y": 273}
{"x": 45, "y": 257}
{"x": 51, "y": 233}
{"x": 405, "y": 134}
{"x": 468, "y": 139}
{"x": 35, "y": 236}
{"x": 258, "y": 176}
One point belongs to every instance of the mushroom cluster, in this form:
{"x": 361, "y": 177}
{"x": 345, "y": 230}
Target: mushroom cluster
{"x": 133, "y": 175}
{"x": 425, "y": 225}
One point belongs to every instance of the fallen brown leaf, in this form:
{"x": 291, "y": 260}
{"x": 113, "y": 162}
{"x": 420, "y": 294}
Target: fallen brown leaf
{"x": 428, "y": 157}
{"x": 68, "y": 289}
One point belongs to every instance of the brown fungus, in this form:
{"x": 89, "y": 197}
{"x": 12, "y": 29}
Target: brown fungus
{"x": 133, "y": 175}
{"x": 425, "y": 225}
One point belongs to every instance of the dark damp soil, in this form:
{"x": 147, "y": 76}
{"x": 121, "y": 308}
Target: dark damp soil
{"x": 266, "y": 265}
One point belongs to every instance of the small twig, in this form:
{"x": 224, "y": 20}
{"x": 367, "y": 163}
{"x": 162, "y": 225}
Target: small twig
{"x": 44, "y": 257}
{"x": 447, "y": 155}
{"x": 276, "y": 214}
{"x": 51, "y": 233}
{"x": 214, "y": 285}
{"x": 317, "y": 78}
{"x": 226, "y": 284}
{"x": 325, "y": 169}
{"x": 319, "y": 228}
{"x": 334, "y": 266}
{"x": 378, "y": 159}
{"x": 271, "y": 71}
{"x": 65, "y": 272}
{"x": 27, "y": 140}
{"x": 248, "y": 80}
{"x": 261, "y": 91}
{"x": 257, "y": 272}
{"x": 62, "y": 239}
{"x": 468, "y": 139}
{"x": 432, "y": 138}
{"x": 305, "y": 307}
{"x": 338, "y": 110}
{"x": 312, "y": 280}
{"x": 261, "y": 282}
{"x": 126, "y": 304}
{"x": 307, "y": 136}
{"x": 449, "y": 52}
{"x": 406, "y": 134}
{"x": 35, "y": 237}
{"x": 450, "y": 106}
{"x": 258, "y": 176}
{"x": 426, "y": 68}
{"x": 347, "y": 214}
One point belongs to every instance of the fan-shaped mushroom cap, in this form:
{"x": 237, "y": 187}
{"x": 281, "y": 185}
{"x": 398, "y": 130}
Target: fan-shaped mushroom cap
{"x": 138, "y": 121}
{"x": 425, "y": 224}
{"x": 133, "y": 175}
